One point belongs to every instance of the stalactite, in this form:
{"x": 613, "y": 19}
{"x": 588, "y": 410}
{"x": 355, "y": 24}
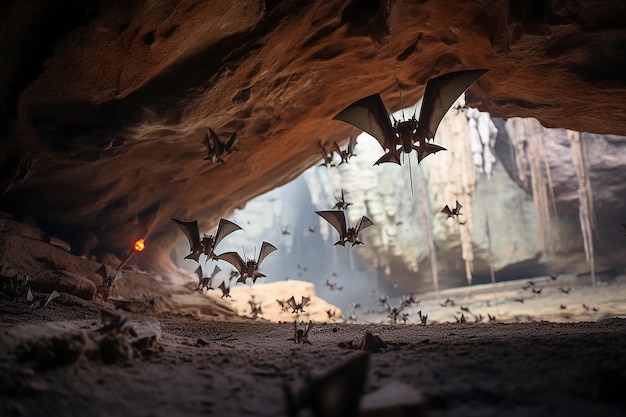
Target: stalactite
{"x": 453, "y": 177}
{"x": 586, "y": 211}
{"x": 530, "y": 156}
{"x": 427, "y": 225}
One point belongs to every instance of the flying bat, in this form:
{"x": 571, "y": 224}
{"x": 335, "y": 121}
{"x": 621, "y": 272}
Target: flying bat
{"x": 453, "y": 212}
{"x": 370, "y": 115}
{"x": 255, "y": 308}
{"x": 327, "y": 157}
{"x": 250, "y": 267}
{"x": 207, "y": 244}
{"x": 333, "y": 286}
{"x": 295, "y": 307}
{"x": 337, "y": 219}
{"x": 341, "y": 203}
{"x": 216, "y": 148}
{"x": 225, "y": 289}
{"x": 346, "y": 153}
{"x": 107, "y": 279}
{"x": 206, "y": 282}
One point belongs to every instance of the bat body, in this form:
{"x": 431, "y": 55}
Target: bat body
{"x": 295, "y": 307}
{"x": 342, "y": 204}
{"x": 207, "y": 244}
{"x": 333, "y": 286}
{"x": 456, "y": 211}
{"x": 249, "y": 268}
{"x": 370, "y": 115}
{"x": 107, "y": 279}
{"x": 337, "y": 219}
{"x": 301, "y": 336}
{"x": 216, "y": 148}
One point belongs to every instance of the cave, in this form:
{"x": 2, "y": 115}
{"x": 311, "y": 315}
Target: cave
{"x": 110, "y": 117}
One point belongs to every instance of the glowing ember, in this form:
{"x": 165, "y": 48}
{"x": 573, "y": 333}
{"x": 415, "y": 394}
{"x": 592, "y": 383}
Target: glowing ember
{"x": 140, "y": 245}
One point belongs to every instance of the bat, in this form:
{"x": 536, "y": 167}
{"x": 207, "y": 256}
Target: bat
{"x": 301, "y": 336}
{"x": 206, "y": 282}
{"x": 394, "y": 312}
{"x": 370, "y": 115}
{"x": 404, "y": 317}
{"x": 342, "y": 204}
{"x": 563, "y": 307}
{"x": 423, "y": 317}
{"x": 347, "y": 153}
{"x": 286, "y": 231}
{"x": 108, "y": 279}
{"x": 337, "y": 219}
{"x": 327, "y": 157}
{"x": 311, "y": 229}
{"x": 408, "y": 300}
{"x": 452, "y": 212}
{"x": 216, "y": 148}
{"x": 207, "y": 244}
{"x": 333, "y": 286}
{"x": 250, "y": 267}
{"x": 295, "y": 307}
{"x": 565, "y": 290}
{"x": 255, "y": 308}
{"x": 225, "y": 289}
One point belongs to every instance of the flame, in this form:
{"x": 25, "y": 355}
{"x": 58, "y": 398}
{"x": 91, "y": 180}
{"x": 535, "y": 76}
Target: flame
{"x": 140, "y": 245}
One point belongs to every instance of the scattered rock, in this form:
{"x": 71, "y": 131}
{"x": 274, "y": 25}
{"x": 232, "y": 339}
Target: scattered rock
{"x": 372, "y": 343}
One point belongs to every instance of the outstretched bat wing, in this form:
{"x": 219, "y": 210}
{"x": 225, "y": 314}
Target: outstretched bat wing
{"x": 230, "y": 145}
{"x": 447, "y": 211}
{"x": 370, "y": 115}
{"x": 458, "y": 207}
{"x": 102, "y": 271}
{"x": 190, "y": 229}
{"x": 218, "y": 146}
{"x": 292, "y": 303}
{"x": 363, "y": 224}
{"x": 266, "y": 249}
{"x": 234, "y": 259}
{"x": 337, "y": 219}
{"x": 351, "y": 145}
{"x": 198, "y": 272}
{"x": 224, "y": 228}
{"x": 425, "y": 148}
{"x": 305, "y": 300}
{"x": 439, "y": 95}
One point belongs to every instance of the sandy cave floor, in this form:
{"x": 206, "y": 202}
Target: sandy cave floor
{"x": 237, "y": 368}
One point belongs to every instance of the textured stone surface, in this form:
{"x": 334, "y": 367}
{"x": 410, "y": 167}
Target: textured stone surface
{"x": 103, "y": 105}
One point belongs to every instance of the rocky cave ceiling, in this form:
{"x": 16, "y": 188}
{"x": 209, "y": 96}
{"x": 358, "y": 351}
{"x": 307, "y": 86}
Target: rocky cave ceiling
{"x": 104, "y": 104}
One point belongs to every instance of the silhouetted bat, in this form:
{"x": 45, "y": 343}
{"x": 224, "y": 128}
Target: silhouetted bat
{"x": 453, "y": 212}
{"x": 333, "y": 286}
{"x": 423, "y": 317}
{"x": 216, "y": 148}
{"x": 342, "y": 204}
{"x": 394, "y": 312}
{"x": 565, "y": 290}
{"x": 225, "y": 289}
{"x": 301, "y": 336}
{"x": 255, "y": 308}
{"x": 295, "y": 307}
{"x": 327, "y": 157}
{"x": 348, "y": 152}
{"x": 249, "y": 268}
{"x": 206, "y": 282}
{"x": 370, "y": 115}
{"x": 107, "y": 279}
{"x": 207, "y": 244}
{"x": 337, "y": 219}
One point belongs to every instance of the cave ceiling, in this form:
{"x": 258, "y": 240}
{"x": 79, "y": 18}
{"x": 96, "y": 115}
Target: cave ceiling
{"x": 104, "y": 104}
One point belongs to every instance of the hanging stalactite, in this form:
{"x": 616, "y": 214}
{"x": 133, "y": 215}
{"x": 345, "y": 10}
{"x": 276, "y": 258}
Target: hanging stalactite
{"x": 530, "y": 157}
{"x": 588, "y": 225}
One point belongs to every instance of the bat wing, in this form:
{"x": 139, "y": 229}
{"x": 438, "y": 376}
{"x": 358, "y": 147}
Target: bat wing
{"x": 190, "y": 229}
{"x": 439, "y": 95}
{"x": 425, "y": 148}
{"x": 337, "y": 219}
{"x": 447, "y": 211}
{"x": 218, "y": 146}
{"x": 305, "y": 300}
{"x": 292, "y": 303}
{"x": 234, "y": 259}
{"x": 230, "y": 145}
{"x": 370, "y": 115}
{"x": 207, "y": 143}
{"x": 198, "y": 272}
{"x": 458, "y": 207}
{"x": 364, "y": 223}
{"x": 351, "y": 145}
{"x": 102, "y": 271}
{"x": 224, "y": 228}
{"x": 266, "y": 249}
{"x": 216, "y": 271}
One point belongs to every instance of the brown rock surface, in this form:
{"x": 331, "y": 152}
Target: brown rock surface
{"x": 104, "y": 104}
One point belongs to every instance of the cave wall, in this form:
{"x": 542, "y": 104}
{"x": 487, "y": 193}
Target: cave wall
{"x": 104, "y": 105}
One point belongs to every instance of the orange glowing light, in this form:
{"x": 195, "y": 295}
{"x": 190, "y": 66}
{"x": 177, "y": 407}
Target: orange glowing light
{"x": 140, "y": 245}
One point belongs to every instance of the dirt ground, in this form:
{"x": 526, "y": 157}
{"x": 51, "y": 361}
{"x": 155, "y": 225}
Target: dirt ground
{"x": 200, "y": 366}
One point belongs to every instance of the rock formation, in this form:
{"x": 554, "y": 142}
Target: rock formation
{"x": 104, "y": 105}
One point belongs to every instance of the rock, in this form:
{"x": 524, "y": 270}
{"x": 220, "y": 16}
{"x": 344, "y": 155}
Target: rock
{"x": 393, "y": 400}
{"x": 48, "y": 267}
{"x": 372, "y": 343}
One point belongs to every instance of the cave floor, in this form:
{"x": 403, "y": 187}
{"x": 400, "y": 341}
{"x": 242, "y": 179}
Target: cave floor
{"x": 238, "y": 368}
